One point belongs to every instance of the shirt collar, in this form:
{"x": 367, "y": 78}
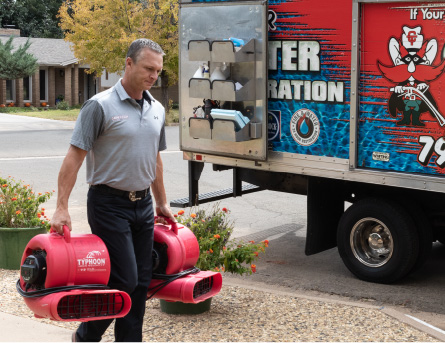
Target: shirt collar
{"x": 124, "y": 95}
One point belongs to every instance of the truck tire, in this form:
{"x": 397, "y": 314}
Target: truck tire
{"x": 378, "y": 240}
{"x": 425, "y": 234}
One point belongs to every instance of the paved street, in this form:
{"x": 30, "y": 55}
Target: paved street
{"x": 33, "y": 149}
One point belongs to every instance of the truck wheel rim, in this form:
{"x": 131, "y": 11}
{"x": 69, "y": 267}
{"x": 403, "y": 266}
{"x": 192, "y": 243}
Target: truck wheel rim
{"x": 371, "y": 242}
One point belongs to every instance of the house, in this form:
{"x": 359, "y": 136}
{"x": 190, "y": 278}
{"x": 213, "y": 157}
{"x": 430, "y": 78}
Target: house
{"x": 59, "y": 74}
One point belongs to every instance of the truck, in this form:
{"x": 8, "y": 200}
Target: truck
{"x": 337, "y": 100}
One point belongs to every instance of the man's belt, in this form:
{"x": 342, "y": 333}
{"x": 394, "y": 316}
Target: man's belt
{"x": 132, "y": 195}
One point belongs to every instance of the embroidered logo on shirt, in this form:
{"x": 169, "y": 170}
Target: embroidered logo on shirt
{"x": 119, "y": 118}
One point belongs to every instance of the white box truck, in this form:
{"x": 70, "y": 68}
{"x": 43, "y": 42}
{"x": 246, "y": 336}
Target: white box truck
{"x": 338, "y": 100}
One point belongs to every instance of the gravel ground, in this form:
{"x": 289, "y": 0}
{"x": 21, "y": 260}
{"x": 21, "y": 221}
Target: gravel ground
{"x": 243, "y": 315}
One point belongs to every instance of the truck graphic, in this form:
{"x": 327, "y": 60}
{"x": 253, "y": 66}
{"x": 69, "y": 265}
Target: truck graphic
{"x": 341, "y": 101}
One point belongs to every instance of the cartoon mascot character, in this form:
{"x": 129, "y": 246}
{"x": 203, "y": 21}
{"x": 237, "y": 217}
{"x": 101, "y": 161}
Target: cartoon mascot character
{"x": 412, "y": 72}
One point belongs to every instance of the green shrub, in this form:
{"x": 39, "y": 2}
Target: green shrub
{"x": 20, "y": 206}
{"x": 217, "y": 252}
{"x": 63, "y": 105}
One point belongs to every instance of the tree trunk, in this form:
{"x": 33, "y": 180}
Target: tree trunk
{"x": 164, "y": 92}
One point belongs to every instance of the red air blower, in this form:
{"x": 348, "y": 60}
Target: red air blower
{"x": 175, "y": 253}
{"x": 64, "y": 278}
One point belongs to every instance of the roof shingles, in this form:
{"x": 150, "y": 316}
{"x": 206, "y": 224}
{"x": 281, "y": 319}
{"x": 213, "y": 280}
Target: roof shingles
{"x": 48, "y": 51}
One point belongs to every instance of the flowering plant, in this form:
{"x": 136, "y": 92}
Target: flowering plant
{"x": 19, "y": 205}
{"x": 216, "y": 252}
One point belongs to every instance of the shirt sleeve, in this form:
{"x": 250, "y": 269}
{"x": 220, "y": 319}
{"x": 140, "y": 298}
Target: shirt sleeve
{"x": 162, "y": 140}
{"x": 89, "y": 125}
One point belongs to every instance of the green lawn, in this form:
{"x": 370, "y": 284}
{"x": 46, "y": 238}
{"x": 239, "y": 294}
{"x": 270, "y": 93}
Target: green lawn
{"x": 70, "y": 115}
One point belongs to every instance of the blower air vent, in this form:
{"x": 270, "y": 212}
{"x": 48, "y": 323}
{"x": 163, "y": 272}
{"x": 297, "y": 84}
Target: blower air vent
{"x": 83, "y": 306}
{"x": 202, "y": 287}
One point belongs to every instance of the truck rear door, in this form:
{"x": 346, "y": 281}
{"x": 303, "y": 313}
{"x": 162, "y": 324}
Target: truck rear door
{"x": 223, "y": 108}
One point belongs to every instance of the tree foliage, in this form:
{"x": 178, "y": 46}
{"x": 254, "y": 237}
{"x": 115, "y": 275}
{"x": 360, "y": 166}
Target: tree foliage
{"x": 34, "y": 18}
{"x": 102, "y": 30}
{"x": 17, "y": 64}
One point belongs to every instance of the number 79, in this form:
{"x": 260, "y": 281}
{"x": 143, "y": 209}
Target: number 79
{"x": 430, "y": 145}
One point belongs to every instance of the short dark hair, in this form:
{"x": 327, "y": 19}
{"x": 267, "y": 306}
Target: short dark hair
{"x": 136, "y": 47}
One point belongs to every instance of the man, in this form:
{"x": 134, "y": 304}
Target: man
{"x": 121, "y": 131}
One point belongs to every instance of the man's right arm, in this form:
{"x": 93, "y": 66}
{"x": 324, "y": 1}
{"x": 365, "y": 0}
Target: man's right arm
{"x": 67, "y": 178}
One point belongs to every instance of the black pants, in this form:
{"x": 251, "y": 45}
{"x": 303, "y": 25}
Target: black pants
{"x": 126, "y": 227}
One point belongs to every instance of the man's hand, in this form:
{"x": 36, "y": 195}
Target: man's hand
{"x": 164, "y": 210}
{"x": 60, "y": 218}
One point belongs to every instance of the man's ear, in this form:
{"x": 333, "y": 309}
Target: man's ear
{"x": 129, "y": 62}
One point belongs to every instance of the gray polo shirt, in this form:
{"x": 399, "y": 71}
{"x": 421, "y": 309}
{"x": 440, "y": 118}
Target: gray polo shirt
{"x": 122, "y": 139}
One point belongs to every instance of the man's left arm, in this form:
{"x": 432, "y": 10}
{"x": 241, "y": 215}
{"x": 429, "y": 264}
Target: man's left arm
{"x": 158, "y": 190}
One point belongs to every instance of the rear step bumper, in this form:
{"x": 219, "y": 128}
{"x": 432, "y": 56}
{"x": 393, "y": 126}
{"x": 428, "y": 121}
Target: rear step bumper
{"x": 214, "y": 196}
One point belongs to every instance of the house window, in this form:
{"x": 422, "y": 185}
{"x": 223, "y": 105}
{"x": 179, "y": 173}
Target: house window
{"x": 43, "y": 85}
{"x": 10, "y": 90}
{"x": 27, "y": 88}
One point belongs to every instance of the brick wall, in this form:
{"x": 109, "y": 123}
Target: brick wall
{"x": 19, "y": 93}
{"x": 173, "y": 93}
{"x": 10, "y": 32}
{"x": 67, "y": 85}
{"x": 3, "y": 92}
{"x": 75, "y": 85}
{"x": 36, "y": 89}
{"x": 52, "y": 86}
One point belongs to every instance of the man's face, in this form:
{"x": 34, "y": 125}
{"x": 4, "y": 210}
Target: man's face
{"x": 145, "y": 71}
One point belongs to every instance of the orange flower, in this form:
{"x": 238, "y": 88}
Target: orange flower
{"x": 211, "y": 251}
{"x": 181, "y": 212}
{"x": 225, "y": 209}
{"x": 253, "y": 267}
{"x": 266, "y": 243}
{"x": 203, "y": 220}
{"x": 256, "y": 253}
{"x": 5, "y": 185}
{"x": 43, "y": 222}
{"x": 253, "y": 242}
{"x": 43, "y": 209}
{"x": 224, "y": 248}
{"x": 39, "y": 215}
{"x": 193, "y": 215}
{"x": 175, "y": 215}
{"x": 14, "y": 199}
{"x": 18, "y": 212}
{"x": 40, "y": 193}
{"x": 29, "y": 198}
{"x": 217, "y": 236}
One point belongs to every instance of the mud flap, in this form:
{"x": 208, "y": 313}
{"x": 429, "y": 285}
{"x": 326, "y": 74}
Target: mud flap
{"x": 325, "y": 206}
